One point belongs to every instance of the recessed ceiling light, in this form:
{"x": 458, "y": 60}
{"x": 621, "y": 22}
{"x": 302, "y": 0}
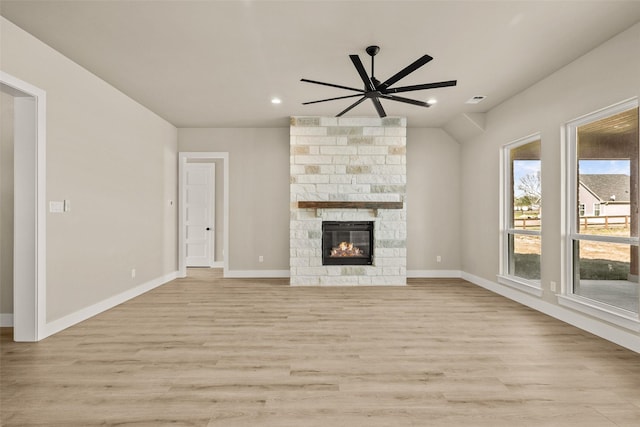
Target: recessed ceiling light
{"x": 276, "y": 101}
{"x": 432, "y": 101}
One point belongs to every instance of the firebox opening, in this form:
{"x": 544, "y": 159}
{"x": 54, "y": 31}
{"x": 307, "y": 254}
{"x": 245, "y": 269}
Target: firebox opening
{"x": 347, "y": 243}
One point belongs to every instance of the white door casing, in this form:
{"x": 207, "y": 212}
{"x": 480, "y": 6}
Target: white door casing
{"x": 199, "y": 214}
{"x": 185, "y": 158}
{"x": 29, "y": 268}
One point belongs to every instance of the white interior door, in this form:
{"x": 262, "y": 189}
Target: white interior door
{"x": 199, "y": 214}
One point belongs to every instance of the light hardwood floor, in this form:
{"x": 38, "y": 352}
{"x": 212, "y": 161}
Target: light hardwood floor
{"x": 206, "y": 351}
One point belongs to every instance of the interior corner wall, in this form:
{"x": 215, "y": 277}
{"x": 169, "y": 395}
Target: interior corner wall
{"x": 6, "y": 203}
{"x": 116, "y": 162}
{"x": 433, "y": 202}
{"x": 604, "y": 76}
{"x": 259, "y": 195}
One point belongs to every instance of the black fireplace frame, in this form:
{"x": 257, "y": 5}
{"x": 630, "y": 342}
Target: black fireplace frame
{"x": 345, "y": 226}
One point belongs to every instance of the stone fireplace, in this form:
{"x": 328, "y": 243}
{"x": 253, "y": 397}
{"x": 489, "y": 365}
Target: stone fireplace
{"x": 348, "y": 173}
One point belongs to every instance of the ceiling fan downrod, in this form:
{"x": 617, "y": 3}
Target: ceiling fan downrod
{"x": 373, "y": 51}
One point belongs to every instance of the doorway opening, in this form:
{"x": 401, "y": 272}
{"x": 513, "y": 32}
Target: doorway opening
{"x": 220, "y": 238}
{"x": 28, "y": 133}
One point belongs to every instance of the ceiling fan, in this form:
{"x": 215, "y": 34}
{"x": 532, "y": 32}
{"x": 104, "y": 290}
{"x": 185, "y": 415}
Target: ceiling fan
{"x": 375, "y": 90}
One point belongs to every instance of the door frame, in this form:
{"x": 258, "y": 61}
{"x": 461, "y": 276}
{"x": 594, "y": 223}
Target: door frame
{"x": 29, "y": 299}
{"x": 183, "y": 158}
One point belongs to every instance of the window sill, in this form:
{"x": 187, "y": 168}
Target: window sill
{"x": 619, "y": 317}
{"x": 521, "y": 285}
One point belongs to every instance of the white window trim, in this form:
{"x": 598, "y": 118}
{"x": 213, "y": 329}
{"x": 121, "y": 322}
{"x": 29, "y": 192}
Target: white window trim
{"x": 567, "y": 298}
{"x": 528, "y": 286}
{"x": 533, "y": 287}
{"x": 611, "y": 314}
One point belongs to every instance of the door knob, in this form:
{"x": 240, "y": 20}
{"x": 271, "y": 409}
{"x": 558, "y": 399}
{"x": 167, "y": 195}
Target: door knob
{"x": 208, "y": 229}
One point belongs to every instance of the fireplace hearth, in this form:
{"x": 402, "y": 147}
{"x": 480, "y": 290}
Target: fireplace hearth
{"x": 347, "y": 243}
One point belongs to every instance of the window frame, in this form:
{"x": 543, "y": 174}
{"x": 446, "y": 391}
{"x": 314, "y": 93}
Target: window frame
{"x": 567, "y": 297}
{"x": 533, "y": 287}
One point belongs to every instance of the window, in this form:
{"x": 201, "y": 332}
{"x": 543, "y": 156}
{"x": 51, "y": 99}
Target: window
{"x": 603, "y": 257}
{"x": 521, "y": 215}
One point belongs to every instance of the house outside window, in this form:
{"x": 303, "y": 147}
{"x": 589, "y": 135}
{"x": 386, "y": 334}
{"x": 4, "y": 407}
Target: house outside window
{"x": 521, "y": 215}
{"x": 602, "y": 248}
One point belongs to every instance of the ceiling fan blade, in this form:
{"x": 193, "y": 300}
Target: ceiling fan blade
{"x": 421, "y": 87}
{"x": 379, "y": 109}
{"x": 351, "y": 106}
{"x": 363, "y": 73}
{"x": 405, "y": 71}
{"x": 331, "y": 99}
{"x": 405, "y": 100}
{"x": 331, "y": 85}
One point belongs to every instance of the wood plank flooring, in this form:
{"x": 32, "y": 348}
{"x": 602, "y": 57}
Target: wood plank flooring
{"x": 206, "y": 351}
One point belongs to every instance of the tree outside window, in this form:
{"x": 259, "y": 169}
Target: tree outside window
{"x": 523, "y": 197}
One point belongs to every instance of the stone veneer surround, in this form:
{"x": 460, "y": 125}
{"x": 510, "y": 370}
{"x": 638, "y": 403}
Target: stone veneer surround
{"x": 348, "y": 159}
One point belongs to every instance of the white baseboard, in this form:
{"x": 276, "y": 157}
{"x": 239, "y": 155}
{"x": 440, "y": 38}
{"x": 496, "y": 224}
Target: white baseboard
{"x": 428, "y": 274}
{"x": 610, "y": 333}
{"x": 257, "y": 274}
{"x": 6, "y": 320}
{"x": 97, "y": 308}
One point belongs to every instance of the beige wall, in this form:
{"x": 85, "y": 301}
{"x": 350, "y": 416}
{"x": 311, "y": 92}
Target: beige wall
{"x": 606, "y": 75}
{"x": 259, "y": 195}
{"x": 6, "y": 203}
{"x": 258, "y": 192}
{"x": 116, "y": 162}
{"x": 433, "y": 200}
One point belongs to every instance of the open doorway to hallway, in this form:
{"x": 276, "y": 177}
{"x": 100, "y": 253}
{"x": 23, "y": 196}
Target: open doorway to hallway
{"x": 23, "y": 214}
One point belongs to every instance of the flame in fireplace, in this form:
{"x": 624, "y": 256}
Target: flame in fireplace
{"x": 346, "y": 249}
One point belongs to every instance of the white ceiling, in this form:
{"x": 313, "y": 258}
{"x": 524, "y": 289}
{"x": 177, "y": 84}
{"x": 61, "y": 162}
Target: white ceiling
{"x": 219, "y": 63}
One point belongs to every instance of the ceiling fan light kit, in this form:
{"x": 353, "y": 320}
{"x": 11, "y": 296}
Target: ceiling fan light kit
{"x": 376, "y": 90}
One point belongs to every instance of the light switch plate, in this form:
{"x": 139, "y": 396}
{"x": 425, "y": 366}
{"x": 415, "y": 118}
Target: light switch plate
{"x": 56, "y": 207}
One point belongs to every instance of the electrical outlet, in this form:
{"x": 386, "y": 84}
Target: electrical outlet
{"x": 133, "y": 273}
{"x": 553, "y": 285}
{"x": 438, "y": 258}
{"x": 260, "y": 258}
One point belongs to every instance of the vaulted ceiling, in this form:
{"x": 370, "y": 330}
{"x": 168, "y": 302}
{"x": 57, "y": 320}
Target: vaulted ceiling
{"x": 219, "y": 63}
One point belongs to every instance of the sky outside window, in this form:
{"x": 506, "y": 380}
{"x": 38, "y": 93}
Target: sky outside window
{"x": 604, "y": 167}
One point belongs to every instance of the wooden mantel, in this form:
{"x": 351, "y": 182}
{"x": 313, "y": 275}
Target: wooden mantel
{"x": 350, "y": 205}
